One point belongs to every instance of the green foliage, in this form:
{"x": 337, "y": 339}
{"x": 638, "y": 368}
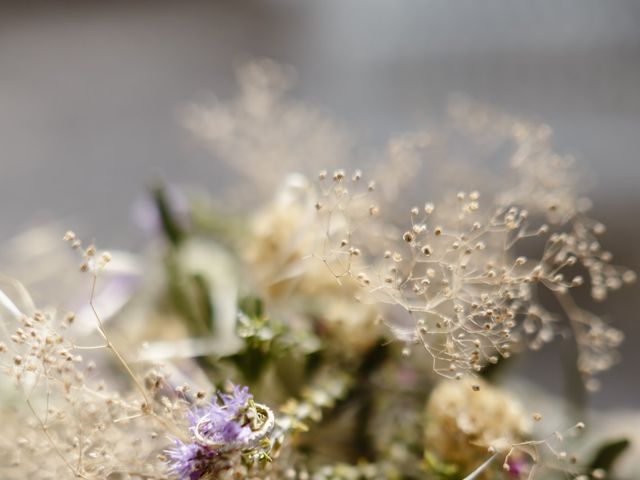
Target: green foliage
{"x": 263, "y": 342}
{"x": 189, "y": 296}
{"x": 606, "y": 456}
{"x": 433, "y": 464}
{"x": 266, "y": 341}
{"x": 170, "y": 226}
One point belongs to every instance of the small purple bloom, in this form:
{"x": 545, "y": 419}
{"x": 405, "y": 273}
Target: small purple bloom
{"x": 189, "y": 461}
{"x": 231, "y": 431}
{"x": 517, "y": 467}
{"x": 221, "y": 423}
{"x": 237, "y": 399}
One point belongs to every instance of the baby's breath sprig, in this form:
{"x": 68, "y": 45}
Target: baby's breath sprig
{"x": 73, "y": 417}
{"x": 469, "y": 297}
{"x": 94, "y": 262}
{"x": 548, "y": 453}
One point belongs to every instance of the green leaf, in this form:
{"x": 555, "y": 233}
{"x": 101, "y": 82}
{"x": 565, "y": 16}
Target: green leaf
{"x": 203, "y": 302}
{"x": 262, "y": 340}
{"x": 252, "y": 307}
{"x": 171, "y": 228}
{"x": 608, "y": 453}
{"x": 435, "y": 465}
{"x": 189, "y": 296}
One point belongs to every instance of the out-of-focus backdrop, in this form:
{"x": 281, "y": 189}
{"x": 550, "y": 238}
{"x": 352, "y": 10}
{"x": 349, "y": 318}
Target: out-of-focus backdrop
{"x": 90, "y": 93}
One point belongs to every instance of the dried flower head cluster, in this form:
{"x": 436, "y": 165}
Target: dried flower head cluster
{"x": 460, "y": 428}
{"x": 457, "y": 271}
{"x": 469, "y": 272}
{"x": 301, "y": 301}
{"x": 77, "y": 425}
{"x": 284, "y": 238}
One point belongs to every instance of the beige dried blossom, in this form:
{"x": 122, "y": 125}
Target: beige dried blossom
{"x": 283, "y": 252}
{"x": 461, "y": 424}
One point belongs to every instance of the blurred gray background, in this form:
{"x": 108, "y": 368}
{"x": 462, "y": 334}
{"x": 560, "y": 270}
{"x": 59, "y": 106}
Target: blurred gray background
{"x": 90, "y": 90}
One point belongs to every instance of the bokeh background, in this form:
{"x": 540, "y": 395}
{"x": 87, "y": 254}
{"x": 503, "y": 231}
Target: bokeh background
{"x": 90, "y": 95}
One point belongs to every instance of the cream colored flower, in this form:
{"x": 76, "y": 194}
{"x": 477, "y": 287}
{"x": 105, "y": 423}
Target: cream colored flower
{"x": 282, "y": 256}
{"x": 461, "y": 424}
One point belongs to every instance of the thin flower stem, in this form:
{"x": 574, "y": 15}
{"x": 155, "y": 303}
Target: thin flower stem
{"x": 476, "y": 473}
{"x": 112, "y": 347}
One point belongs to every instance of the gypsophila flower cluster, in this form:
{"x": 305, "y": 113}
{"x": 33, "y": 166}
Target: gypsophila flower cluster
{"x": 469, "y": 297}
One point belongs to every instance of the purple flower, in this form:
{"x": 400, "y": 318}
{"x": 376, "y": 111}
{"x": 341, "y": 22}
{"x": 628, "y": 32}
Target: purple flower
{"x": 517, "y": 467}
{"x": 219, "y": 423}
{"x": 237, "y": 399}
{"x": 189, "y": 461}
